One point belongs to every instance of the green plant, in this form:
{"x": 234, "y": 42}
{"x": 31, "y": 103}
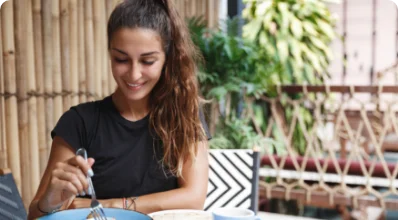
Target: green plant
{"x": 237, "y": 133}
{"x": 231, "y": 69}
{"x": 225, "y": 68}
{"x": 296, "y": 33}
{"x": 230, "y": 66}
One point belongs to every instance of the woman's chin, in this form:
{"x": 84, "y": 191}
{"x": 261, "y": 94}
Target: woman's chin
{"x": 134, "y": 97}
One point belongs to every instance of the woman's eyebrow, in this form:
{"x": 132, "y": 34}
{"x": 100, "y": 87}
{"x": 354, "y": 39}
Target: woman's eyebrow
{"x": 149, "y": 53}
{"x": 120, "y": 51}
{"x": 144, "y": 54}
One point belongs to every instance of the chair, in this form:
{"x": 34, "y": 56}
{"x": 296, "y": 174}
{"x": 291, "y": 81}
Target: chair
{"x": 11, "y": 206}
{"x": 233, "y": 179}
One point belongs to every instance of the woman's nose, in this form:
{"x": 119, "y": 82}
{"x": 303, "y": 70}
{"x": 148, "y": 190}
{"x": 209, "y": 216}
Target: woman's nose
{"x": 135, "y": 73}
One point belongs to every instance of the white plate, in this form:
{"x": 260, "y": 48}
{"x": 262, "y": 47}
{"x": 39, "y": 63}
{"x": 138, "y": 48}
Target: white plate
{"x": 177, "y": 214}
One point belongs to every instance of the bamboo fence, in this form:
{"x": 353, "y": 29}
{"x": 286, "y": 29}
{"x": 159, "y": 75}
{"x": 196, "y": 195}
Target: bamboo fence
{"x": 3, "y": 149}
{"x": 54, "y": 56}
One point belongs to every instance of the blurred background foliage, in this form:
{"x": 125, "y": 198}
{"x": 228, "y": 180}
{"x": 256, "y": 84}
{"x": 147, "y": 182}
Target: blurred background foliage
{"x": 282, "y": 42}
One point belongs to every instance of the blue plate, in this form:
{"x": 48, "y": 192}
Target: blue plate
{"x": 81, "y": 214}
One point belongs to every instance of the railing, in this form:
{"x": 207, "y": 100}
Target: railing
{"x": 352, "y": 132}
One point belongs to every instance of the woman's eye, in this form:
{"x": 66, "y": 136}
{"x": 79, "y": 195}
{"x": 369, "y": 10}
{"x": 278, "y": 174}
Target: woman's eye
{"x": 121, "y": 60}
{"x": 148, "y": 62}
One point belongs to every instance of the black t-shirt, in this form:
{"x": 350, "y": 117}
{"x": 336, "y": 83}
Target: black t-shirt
{"x": 125, "y": 152}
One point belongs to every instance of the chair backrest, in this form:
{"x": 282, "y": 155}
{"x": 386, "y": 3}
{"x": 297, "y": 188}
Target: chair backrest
{"x": 11, "y": 206}
{"x": 233, "y": 179}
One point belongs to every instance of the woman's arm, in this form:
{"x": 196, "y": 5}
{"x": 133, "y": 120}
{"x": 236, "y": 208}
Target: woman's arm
{"x": 60, "y": 157}
{"x": 191, "y": 193}
{"x": 192, "y": 190}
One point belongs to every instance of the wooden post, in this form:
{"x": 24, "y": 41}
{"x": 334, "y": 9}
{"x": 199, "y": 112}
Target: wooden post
{"x": 111, "y": 4}
{"x": 7, "y": 31}
{"x": 81, "y": 54}
{"x": 41, "y": 111}
{"x": 65, "y": 50}
{"x": 215, "y": 13}
{"x": 198, "y": 6}
{"x": 3, "y": 136}
{"x": 57, "y": 78}
{"x": 194, "y": 9}
{"x": 48, "y": 69}
{"x": 33, "y": 143}
{"x": 99, "y": 42}
{"x": 186, "y": 9}
{"x": 89, "y": 46}
{"x": 21, "y": 46}
{"x": 117, "y": 2}
{"x": 104, "y": 53}
{"x": 182, "y": 8}
{"x": 209, "y": 13}
{"x": 74, "y": 47}
{"x": 202, "y": 8}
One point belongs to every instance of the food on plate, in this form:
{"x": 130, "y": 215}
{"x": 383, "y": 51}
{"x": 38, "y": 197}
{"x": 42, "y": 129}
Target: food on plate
{"x": 91, "y": 217}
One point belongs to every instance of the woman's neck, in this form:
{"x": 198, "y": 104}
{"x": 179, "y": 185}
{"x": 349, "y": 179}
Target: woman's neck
{"x": 130, "y": 110}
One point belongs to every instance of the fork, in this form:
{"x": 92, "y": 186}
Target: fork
{"x": 96, "y": 210}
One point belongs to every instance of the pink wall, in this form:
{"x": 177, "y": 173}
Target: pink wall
{"x": 359, "y": 24}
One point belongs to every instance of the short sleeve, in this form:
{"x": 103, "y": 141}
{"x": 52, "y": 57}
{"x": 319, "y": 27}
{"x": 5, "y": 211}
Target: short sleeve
{"x": 204, "y": 124}
{"x": 70, "y": 127}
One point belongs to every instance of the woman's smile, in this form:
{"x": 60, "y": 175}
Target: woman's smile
{"x": 135, "y": 86}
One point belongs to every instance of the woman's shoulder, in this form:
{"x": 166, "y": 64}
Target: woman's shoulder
{"x": 91, "y": 107}
{"x": 85, "y": 112}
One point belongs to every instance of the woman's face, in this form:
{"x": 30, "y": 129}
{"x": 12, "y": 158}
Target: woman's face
{"x": 137, "y": 59}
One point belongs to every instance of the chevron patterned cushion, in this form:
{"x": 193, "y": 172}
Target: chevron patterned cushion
{"x": 233, "y": 179}
{"x": 11, "y": 206}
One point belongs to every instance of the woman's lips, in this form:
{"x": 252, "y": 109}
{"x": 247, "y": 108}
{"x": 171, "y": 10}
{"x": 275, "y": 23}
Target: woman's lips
{"x": 134, "y": 86}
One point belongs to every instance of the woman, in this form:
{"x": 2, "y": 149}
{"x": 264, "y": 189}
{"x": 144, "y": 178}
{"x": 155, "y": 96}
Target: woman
{"x": 147, "y": 142}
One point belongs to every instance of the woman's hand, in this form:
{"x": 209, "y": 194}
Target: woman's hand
{"x": 106, "y": 203}
{"x": 67, "y": 180}
{"x": 79, "y": 203}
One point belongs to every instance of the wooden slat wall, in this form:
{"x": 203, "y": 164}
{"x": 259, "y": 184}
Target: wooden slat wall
{"x": 54, "y": 56}
{"x": 3, "y": 149}
{"x": 10, "y": 89}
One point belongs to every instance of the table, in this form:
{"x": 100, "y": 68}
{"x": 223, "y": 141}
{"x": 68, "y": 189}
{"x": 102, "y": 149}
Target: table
{"x": 274, "y": 216}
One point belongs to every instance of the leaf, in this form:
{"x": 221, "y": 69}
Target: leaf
{"x": 217, "y": 92}
{"x": 267, "y": 20}
{"x": 296, "y": 52}
{"x": 263, "y": 39}
{"x": 279, "y": 141}
{"x": 296, "y": 28}
{"x": 251, "y": 29}
{"x": 309, "y": 74}
{"x": 310, "y": 56}
{"x": 258, "y": 114}
{"x": 228, "y": 50}
{"x": 220, "y": 142}
{"x": 263, "y": 7}
{"x": 296, "y": 71}
{"x": 283, "y": 8}
{"x": 233, "y": 26}
{"x": 309, "y": 28}
{"x": 326, "y": 28}
{"x": 318, "y": 43}
{"x": 283, "y": 50}
{"x": 247, "y": 12}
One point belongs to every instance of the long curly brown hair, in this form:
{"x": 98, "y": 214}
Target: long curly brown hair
{"x": 174, "y": 101}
